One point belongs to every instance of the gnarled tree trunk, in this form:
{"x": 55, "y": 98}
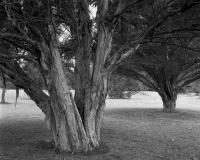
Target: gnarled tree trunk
{"x": 65, "y": 122}
{"x": 91, "y": 75}
{"x": 91, "y": 102}
{"x": 96, "y": 92}
{"x": 72, "y": 131}
{"x": 91, "y": 84}
{"x": 67, "y": 127}
{"x": 94, "y": 106}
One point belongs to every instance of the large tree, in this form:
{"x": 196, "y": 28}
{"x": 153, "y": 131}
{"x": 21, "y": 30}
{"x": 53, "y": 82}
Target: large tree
{"x": 165, "y": 69}
{"x": 170, "y": 60}
{"x": 29, "y": 32}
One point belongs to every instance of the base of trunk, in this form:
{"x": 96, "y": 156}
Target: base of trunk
{"x": 169, "y": 106}
{"x": 169, "y": 110}
{"x": 3, "y": 102}
{"x": 68, "y": 132}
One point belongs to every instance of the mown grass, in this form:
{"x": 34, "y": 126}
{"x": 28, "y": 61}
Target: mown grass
{"x": 130, "y": 134}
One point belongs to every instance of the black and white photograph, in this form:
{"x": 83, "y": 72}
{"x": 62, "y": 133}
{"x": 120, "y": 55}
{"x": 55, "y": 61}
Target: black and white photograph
{"x": 99, "y": 79}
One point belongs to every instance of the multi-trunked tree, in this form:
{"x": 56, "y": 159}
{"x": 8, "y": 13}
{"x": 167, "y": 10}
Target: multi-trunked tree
{"x": 29, "y": 33}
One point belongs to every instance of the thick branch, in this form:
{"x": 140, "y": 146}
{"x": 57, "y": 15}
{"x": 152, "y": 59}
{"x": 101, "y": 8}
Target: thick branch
{"x": 138, "y": 76}
{"x": 18, "y": 77}
{"x": 20, "y": 38}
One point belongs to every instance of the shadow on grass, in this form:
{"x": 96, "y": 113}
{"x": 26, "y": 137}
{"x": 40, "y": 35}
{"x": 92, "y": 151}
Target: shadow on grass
{"x": 50, "y": 146}
{"x": 142, "y": 113}
{"x": 5, "y": 103}
{"x": 127, "y": 133}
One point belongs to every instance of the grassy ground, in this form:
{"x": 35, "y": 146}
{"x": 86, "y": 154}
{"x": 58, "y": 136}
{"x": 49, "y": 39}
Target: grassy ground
{"x": 129, "y": 133}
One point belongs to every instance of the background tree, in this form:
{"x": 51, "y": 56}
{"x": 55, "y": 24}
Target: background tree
{"x": 170, "y": 60}
{"x": 165, "y": 69}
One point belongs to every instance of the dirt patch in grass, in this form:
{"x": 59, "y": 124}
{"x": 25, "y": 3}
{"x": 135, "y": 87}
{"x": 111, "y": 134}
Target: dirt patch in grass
{"x": 130, "y": 134}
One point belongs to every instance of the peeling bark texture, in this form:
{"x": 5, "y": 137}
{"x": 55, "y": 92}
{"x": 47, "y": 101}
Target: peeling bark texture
{"x": 3, "y": 93}
{"x": 67, "y": 125}
{"x": 65, "y": 121}
{"x": 91, "y": 75}
{"x": 91, "y": 90}
{"x": 74, "y": 128}
{"x": 94, "y": 106}
{"x": 97, "y": 91}
{"x": 91, "y": 101}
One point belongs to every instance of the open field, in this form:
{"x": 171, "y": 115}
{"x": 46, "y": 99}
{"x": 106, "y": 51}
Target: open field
{"x": 134, "y": 129}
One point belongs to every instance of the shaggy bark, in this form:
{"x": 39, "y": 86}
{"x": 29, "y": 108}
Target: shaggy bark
{"x": 67, "y": 124}
{"x": 94, "y": 106}
{"x": 96, "y": 92}
{"x": 91, "y": 75}
{"x": 90, "y": 98}
{"x": 65, "y": 121}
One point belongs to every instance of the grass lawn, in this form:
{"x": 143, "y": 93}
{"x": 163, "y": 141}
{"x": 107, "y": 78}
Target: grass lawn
{"x": 129, "y": 132}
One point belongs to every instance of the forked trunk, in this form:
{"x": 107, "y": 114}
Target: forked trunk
{"x": 74, "y": 131}
{"x": 96, "y": 90}
{"x": 3, "y": 100}
{"x": 66, "y": 124}
{"x": 91, "y": 76}
{"x": 90, "y": 100}
{"x": 94, "y": 106}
